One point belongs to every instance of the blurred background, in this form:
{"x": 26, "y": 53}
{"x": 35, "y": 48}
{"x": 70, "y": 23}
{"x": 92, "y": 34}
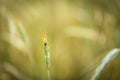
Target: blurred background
{"x": 80, "y": 33}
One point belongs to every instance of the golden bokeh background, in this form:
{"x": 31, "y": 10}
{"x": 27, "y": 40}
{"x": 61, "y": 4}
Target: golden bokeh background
{"x": 80, "y": 33}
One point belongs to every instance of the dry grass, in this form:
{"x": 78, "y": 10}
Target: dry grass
{"x": 110, "y": 56}
{"x": 79, "y": 33}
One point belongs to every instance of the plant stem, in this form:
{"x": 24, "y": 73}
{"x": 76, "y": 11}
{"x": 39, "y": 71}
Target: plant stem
{"x": 48, "y": 72}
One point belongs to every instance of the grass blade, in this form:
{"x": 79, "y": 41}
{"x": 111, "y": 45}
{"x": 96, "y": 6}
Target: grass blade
{"x": 111, "y": 55}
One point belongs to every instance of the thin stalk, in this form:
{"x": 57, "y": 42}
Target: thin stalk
{"x": 111, "y": 55}
{"x": 47, "y": 56}
{"x": 48, "y": 74}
